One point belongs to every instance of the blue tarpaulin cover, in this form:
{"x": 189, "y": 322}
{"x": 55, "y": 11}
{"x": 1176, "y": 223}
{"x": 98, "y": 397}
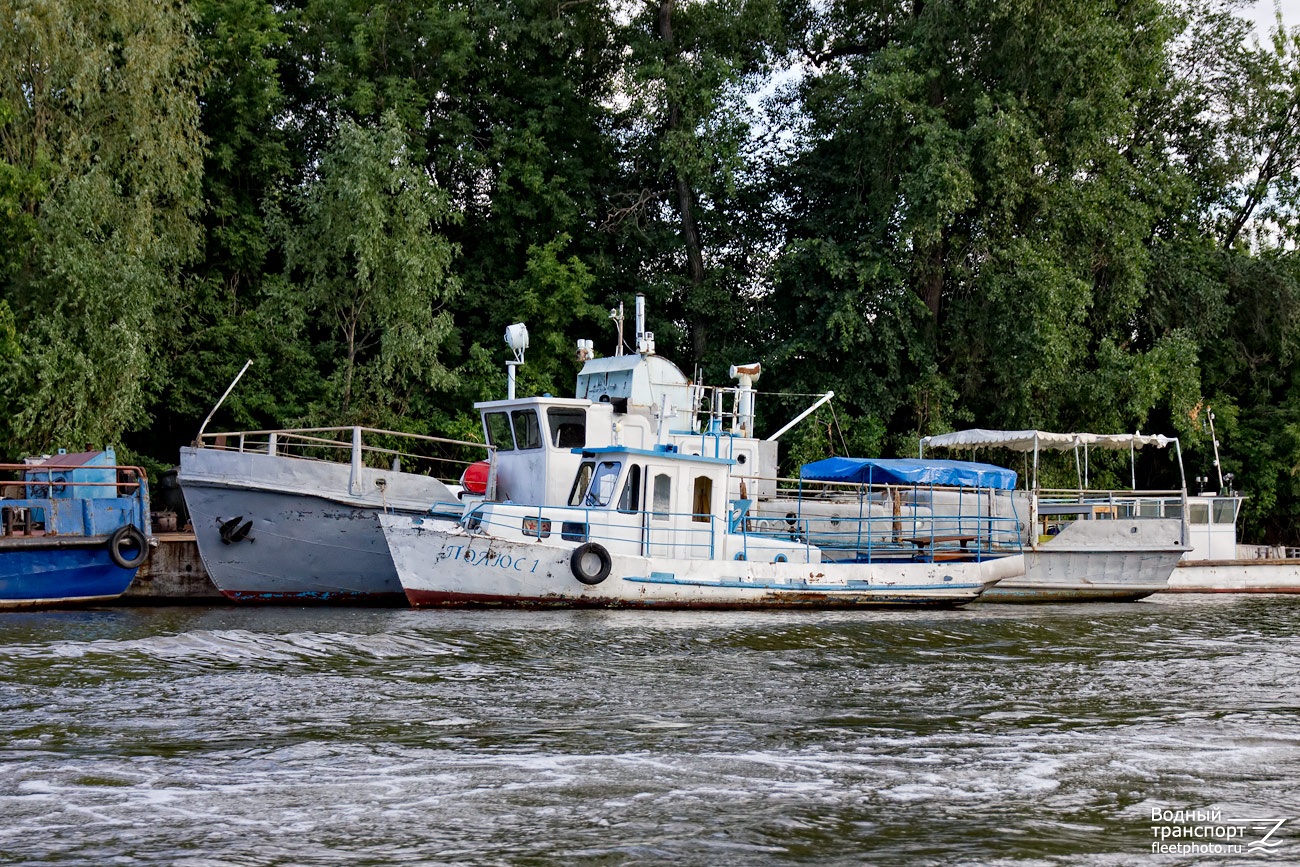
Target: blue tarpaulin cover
{"x": 908, "y": 471}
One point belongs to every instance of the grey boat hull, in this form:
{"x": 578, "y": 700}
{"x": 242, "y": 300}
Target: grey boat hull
{"x": 1120, "y": 560}
{"x": 279, "y": 529}
{"x": 299, "y": 548}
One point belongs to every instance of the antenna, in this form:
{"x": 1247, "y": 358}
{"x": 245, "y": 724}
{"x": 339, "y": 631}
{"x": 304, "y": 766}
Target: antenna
{"x": 617, "y": 316}
{"x": 198, "y": 440}
{"x": 1214, "y": 439}
{"x": 645, "y": 340}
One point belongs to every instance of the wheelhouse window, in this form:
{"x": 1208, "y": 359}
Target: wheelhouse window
{"x": 603, "y": 481}
{"x": 630, "y": 501}
{"x": 1225, "y": 511}
{"x": 528, "y": 434}
{"x": 568, "y": 427}
{"x": 498, "y": 431}
{"x": 1199, "y": 513}
{"x": 581, "y": 482}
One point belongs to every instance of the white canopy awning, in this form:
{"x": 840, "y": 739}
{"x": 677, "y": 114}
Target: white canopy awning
{"x": 1031, "y": 440}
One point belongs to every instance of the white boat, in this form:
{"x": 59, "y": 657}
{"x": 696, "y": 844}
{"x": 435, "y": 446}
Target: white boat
{"x": 1085, "y": 544}
{"x": 654, "y": 527}
{"x": 289, "y": 516}
{"x": 1218, "y": 563}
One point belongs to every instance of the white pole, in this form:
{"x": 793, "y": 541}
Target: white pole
{"x": 198, "y": 440}
{"x": 803, "y": 415}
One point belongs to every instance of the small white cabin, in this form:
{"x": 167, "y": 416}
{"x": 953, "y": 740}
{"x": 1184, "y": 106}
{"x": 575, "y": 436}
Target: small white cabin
{"x": 1212, "y": 527}
{"x": 656, "y": 503}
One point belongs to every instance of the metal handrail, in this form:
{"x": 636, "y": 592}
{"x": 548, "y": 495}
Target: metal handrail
{"x": 24, "y": 472}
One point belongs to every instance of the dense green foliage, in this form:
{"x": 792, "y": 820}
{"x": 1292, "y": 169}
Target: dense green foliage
{"x": 1079, "y": 215}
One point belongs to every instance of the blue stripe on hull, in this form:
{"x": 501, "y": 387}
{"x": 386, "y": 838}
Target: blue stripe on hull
{"x": 795, "y": 586}
{"x": 445, "y": 599}
{"x": 318, "y": 597}
{"x": 39, "y": 577}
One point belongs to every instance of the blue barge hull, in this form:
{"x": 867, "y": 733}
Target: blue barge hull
{"x": 44, "y": 576}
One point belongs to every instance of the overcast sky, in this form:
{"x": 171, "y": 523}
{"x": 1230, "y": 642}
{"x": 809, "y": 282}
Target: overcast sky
{"x": 1263, "y": 10}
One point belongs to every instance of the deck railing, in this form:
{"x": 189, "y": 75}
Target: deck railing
{"x": 897, "y": 521}
{"x": 438, "y": 457}
{"x": 37, "y": 500}
{"x": 862, "y": 538}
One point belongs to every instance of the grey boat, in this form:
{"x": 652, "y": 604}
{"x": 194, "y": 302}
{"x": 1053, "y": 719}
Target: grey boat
{"x": 289, "y": 516}
{"x": 1087, "y": 544}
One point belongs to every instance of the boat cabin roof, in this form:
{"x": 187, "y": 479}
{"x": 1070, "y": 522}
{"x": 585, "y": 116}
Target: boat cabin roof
{"x": 664, "y": 453}
{"x": 523, "y": 402}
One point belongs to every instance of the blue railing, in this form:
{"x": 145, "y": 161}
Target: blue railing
{"x": 899, "y": 522}
{"x": 923, "y": 538}
{"x": 676, "y": 534}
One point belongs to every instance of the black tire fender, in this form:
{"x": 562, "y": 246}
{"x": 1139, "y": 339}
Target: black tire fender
{"x": 581, "y": 563}
{"x": 125, "y": 539}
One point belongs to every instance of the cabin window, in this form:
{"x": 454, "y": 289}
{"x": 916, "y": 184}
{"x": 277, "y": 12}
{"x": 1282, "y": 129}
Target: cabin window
{"x": 498, "y": 431}
{"x": 662, "y": 497}
{"x": 631, "y": 499}
{"x": 573, "y": 531}
{"x": 568, "y": 427}
{"x": 538, "y": 527}
{"x": 603, "y": 482}
{"x": 1199, "y": 513}
{"x": 580, "y": 483}
{"x": 1225, "y": 511}
{"x": 702, "y": 501}
{"x": 528, "y": 434}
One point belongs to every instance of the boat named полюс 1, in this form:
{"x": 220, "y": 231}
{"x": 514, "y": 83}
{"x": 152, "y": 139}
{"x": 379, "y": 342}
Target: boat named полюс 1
{"x": 74, "y": 530}
{"x": 653, "y": 527}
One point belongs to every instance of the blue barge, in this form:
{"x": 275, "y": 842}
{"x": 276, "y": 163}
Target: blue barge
{"x": 73, "y": 530}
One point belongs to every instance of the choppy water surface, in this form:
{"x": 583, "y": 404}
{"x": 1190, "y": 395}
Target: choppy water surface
{"x": 992, "y": 735}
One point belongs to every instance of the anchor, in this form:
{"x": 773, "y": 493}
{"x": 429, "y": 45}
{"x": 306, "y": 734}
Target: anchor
{"x": 231, "y": 531}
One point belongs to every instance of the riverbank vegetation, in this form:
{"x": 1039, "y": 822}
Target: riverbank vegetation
{"x": 1078, "y": 215}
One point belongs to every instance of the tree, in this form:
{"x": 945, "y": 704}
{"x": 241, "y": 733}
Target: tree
{"x": 366, "y": 259}
{"x": 103, "y": 139}
{"x": 972, "y": 208}
{"x": 505, "y": 105}
{"x": 684, "y": 217}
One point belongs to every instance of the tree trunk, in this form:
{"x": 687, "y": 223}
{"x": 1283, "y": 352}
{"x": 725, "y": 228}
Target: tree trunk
{"x": 685, "y": 203}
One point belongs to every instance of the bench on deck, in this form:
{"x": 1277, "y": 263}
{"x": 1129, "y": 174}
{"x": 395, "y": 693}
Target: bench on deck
{"x": 928, "y": 545}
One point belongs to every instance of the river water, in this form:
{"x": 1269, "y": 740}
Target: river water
{"x": 1001, "y": 735}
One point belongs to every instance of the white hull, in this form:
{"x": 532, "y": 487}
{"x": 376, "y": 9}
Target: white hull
{"x": 455, "y": 567}
{"x": 1236, "y": 576}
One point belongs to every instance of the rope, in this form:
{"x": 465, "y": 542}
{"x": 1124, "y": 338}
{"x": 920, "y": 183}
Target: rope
{"x": 835, "y": 420}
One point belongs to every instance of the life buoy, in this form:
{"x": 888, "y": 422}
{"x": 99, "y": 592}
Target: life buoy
{"x": 126, "y": 538}
{"x": 590, "y": 563}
